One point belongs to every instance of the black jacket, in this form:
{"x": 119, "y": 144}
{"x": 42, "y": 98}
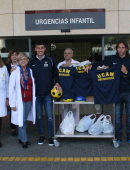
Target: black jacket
{"x": 45, "y": 73}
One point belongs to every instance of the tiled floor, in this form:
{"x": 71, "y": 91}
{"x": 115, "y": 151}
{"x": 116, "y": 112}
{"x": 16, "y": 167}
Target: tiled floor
{"x": 73, "y": 153}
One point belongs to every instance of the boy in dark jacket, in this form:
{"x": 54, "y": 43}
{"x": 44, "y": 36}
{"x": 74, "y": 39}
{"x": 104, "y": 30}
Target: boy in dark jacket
{"x": 45, "y": 73}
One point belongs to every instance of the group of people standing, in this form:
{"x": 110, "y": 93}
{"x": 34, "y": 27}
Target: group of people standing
{"x": 29, "y": 87}
{"x": 18, "y": 92}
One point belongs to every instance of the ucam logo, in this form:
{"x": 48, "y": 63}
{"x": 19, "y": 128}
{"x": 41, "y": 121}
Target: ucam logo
{"x": 64, "y": 72}
{"x": 80, "y": 69}
{"x": 105, "y": 76}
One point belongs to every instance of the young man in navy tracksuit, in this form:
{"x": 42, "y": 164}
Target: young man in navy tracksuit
{"x": 45, "y": 73}
{"x": 121, "y": 59}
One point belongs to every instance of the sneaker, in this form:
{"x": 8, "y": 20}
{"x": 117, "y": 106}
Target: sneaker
{"x": 51, "y": 143}
{"x": 119, "y": 140}
{"x": 41, "y": 140}
{"x": 128, "y": 141}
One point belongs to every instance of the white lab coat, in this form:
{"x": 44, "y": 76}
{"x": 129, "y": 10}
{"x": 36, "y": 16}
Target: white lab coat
{"x": 15, "y": 99}
{"x": 4, "y": 90}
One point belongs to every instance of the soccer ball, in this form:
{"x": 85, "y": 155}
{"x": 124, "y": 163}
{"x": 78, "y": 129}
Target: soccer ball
{"x": 55, "y": 94}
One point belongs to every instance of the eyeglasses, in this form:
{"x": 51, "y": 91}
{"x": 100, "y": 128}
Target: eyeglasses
{"x": 67, "y": 53}
{"x": 23, "y": 59}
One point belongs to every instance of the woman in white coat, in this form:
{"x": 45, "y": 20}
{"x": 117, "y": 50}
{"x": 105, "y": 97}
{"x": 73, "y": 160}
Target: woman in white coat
{"x": 22, "y": 98}
{"x": 4, "y": 93}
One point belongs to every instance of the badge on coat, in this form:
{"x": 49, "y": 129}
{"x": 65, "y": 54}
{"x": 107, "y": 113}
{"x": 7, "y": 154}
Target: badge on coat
{"x": 3, "y": 77}
{"x": 46, "y": 65}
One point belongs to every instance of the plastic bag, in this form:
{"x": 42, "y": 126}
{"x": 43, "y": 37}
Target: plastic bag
{"x": 87, "y": 62}
{"x": 67, "y": 126}
{"x": 107, "y": 124}
{"x": 97, "y": 127}
{"x": 85, "y": 123}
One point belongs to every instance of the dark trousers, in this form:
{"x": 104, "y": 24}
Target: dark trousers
{"x": 124, "y": 98}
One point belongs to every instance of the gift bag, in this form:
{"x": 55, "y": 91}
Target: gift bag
{"x": 67, "y": 126}
{"x": 97, "y": 127}
{"x": 85, "y": 123}
{"x": 107, "y": 124}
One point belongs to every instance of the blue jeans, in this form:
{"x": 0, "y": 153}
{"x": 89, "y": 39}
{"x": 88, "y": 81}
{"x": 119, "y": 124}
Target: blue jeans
{"x": 22, "y": 130}
{"x": 124, "y": 98}
{"x": 47, "y": 101}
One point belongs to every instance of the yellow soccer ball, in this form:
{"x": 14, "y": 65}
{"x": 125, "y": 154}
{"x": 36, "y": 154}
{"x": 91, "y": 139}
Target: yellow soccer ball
{"x": 55, "y": 94}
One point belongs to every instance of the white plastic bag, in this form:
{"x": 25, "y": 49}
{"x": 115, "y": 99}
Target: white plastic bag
{"x": 97, "y": 127}
{"x": 85, "y": 123}
{"x": 67, "y": 126}
{"x": 107, "y": 124}
{"x": 87, "y": 62}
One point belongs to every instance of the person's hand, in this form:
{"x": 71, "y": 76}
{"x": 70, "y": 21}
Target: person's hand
{"x": 58, "y": 87}
{"x": 88, "y": 68}
{"x": 124, "y": 69}
{"x": 13, "y": 108}
{"x": 12, "y": 69}
{"x": 7, "y": 102}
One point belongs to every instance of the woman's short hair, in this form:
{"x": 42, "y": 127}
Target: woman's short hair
{"x": 9, "y": 55}
{"x": 22, "y": 54}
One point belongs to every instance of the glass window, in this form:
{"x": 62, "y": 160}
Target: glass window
{"x": 6, "y": 45}
{"x": 82, "y": 50}
{"x": 110, "y": 44}
{"x": 96, "y": 52}
{"x": 84, "y": 47}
